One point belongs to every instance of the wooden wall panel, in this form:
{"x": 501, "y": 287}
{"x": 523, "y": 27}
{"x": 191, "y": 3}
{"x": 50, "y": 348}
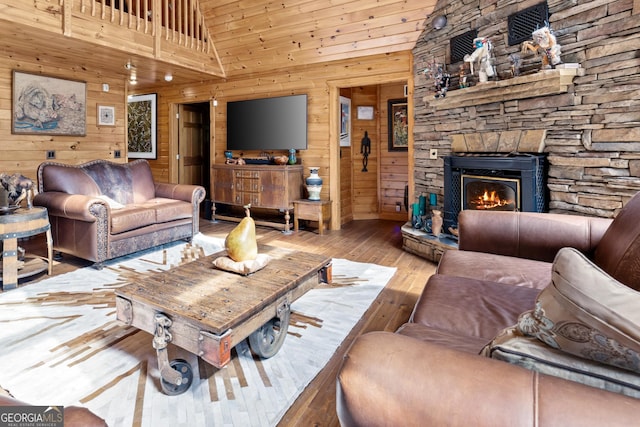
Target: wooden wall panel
{"x": 346, "y": 211}
{"x": 394, "y": 173}
{"x": 310, "y": 80}
{"x": 23, "y": 153}
{"x": 365, "y": 183}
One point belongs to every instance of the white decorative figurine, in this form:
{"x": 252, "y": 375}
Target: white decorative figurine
{"x": 482, "y": 56}
{"x": 543, "y": 41}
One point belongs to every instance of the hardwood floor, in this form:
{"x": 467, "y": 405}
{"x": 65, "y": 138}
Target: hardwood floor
{"x": 372, "y": 241}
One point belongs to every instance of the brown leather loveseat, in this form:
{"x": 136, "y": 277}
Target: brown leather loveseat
{"x": 102, "y": 210}
{"x": 534, "y": 321}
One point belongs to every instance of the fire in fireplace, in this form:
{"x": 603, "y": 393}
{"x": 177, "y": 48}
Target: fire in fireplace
{"x": 487, "y": 193}
{"x": 493, "y": 182}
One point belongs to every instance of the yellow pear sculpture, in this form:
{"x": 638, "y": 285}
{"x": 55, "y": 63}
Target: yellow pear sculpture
{"x": 241, "y": 243}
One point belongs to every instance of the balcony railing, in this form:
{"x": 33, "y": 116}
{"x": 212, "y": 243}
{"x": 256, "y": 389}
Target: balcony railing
{"x": 177, "y": 21}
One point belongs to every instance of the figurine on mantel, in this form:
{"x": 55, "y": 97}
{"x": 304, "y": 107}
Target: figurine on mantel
{"x": 462, "y": 77}
{"x": 482, "y": 56}
{"x": 544, "y": 42}
{"x": 516, "y": 62}
{"x": 441, "y": 79}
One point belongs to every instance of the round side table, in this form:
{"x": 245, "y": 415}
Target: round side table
{"x": 17, "y": 224}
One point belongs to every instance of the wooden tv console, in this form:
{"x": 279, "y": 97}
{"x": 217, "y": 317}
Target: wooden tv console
{"x": 262, "y": 186}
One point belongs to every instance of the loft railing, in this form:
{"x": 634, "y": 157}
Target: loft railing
{"x": 176, "y": 21}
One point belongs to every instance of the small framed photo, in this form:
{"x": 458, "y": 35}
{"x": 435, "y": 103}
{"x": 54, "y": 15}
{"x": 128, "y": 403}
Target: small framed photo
{"x": 345, "y": 122}
{"x": 398, "y": 124}
{"x": 365, "y": 112}
{"x": 106, "y": 115}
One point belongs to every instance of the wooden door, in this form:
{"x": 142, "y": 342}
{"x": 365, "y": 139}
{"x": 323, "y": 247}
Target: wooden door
{"x": 191, "y": 161}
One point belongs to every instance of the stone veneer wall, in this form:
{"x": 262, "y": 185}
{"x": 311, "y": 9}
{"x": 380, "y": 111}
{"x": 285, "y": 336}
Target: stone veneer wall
{"x": 591, "y": 127}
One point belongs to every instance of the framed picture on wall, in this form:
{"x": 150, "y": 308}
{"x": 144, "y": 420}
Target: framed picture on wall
{"x": 142, "y": 124}
{"x": 106, "y": 115}
{"x": 365, "y": 112}
{"x": 48, "y": 105}
{"x": 398, "y": 124}
{"x": 345, "y": 122}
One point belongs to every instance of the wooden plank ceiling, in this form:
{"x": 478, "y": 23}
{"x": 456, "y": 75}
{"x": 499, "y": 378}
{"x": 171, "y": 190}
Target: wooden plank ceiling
{"x": 254, "y": 36}
{"x": 250, "y": 36}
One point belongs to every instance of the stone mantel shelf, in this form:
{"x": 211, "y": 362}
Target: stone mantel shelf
{"x": 542, "y": 83}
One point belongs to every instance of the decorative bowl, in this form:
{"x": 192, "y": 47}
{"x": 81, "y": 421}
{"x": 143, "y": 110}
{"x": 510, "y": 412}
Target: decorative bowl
{"x": 280, "y": 160}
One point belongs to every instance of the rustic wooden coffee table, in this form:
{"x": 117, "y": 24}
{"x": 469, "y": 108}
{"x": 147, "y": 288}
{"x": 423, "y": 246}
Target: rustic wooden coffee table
{"x": 207, "y": 311}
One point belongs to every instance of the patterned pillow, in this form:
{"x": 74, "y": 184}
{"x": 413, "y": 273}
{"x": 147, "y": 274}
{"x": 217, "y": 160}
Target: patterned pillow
{"x": 587, "y": 313}
{"x": 530, "y": 353}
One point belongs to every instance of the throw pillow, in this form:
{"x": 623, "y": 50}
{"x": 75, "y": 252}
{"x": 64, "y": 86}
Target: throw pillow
{"x": 587, "y": 313}
{"x": 530, "y": 353}
{"x": 112, "y": 203}
{"x": 242, "y": 267}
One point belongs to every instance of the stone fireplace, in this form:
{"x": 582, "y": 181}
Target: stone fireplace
{"x": 583, "y": 117}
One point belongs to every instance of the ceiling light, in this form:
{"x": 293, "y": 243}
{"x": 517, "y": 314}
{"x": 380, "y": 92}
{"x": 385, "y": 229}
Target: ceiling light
{"x": 439, "y": 22}
{"x": 168, "y": 77}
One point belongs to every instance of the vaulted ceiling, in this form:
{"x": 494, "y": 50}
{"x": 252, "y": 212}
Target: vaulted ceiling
{"x": 253, "y": 36}
{"x": 250, "y": 37}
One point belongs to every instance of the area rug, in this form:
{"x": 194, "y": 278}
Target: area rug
{"x": 62, "y": 345}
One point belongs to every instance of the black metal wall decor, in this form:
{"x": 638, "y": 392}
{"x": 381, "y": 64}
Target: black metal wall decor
{"x": 365, "y": 149}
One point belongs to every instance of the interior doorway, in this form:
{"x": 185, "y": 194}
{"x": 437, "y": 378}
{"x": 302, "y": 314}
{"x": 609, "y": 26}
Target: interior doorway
{"x": 373, "y": 174}
{"x": 193, "y": 147}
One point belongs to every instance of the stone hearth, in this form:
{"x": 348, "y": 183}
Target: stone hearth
{"x": 426, "y": 245}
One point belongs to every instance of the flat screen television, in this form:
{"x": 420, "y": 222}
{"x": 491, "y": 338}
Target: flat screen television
{"x": 264, "y": 124}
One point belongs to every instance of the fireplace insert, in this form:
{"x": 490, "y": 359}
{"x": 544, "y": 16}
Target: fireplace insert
{"x": 493, "y": 182}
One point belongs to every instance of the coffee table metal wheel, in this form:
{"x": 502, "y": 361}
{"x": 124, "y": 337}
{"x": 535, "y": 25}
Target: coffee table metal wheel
{"x": 184, "y": 369}
{"x": 267, "y": 340}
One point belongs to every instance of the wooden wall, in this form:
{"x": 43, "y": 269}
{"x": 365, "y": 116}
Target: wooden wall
{"x": 365, "y": 184}
{"x": 312, "y": 80}
{"x": 376, "y": 191}
{"x": 23, "y": 153}
{"x": 379, "y": 74}
{"x": 394, "y": 165}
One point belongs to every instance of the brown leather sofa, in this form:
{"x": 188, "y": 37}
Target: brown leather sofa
{"x": 555, "y": 296}
{"x": 102, "y": 210}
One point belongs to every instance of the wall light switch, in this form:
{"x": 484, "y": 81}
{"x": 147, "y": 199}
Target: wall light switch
{"x": 116, "y": 154}
{"x": 51, "y": 154}
{"x": 433, "y": 153}
{"x": 105, "y": 87}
